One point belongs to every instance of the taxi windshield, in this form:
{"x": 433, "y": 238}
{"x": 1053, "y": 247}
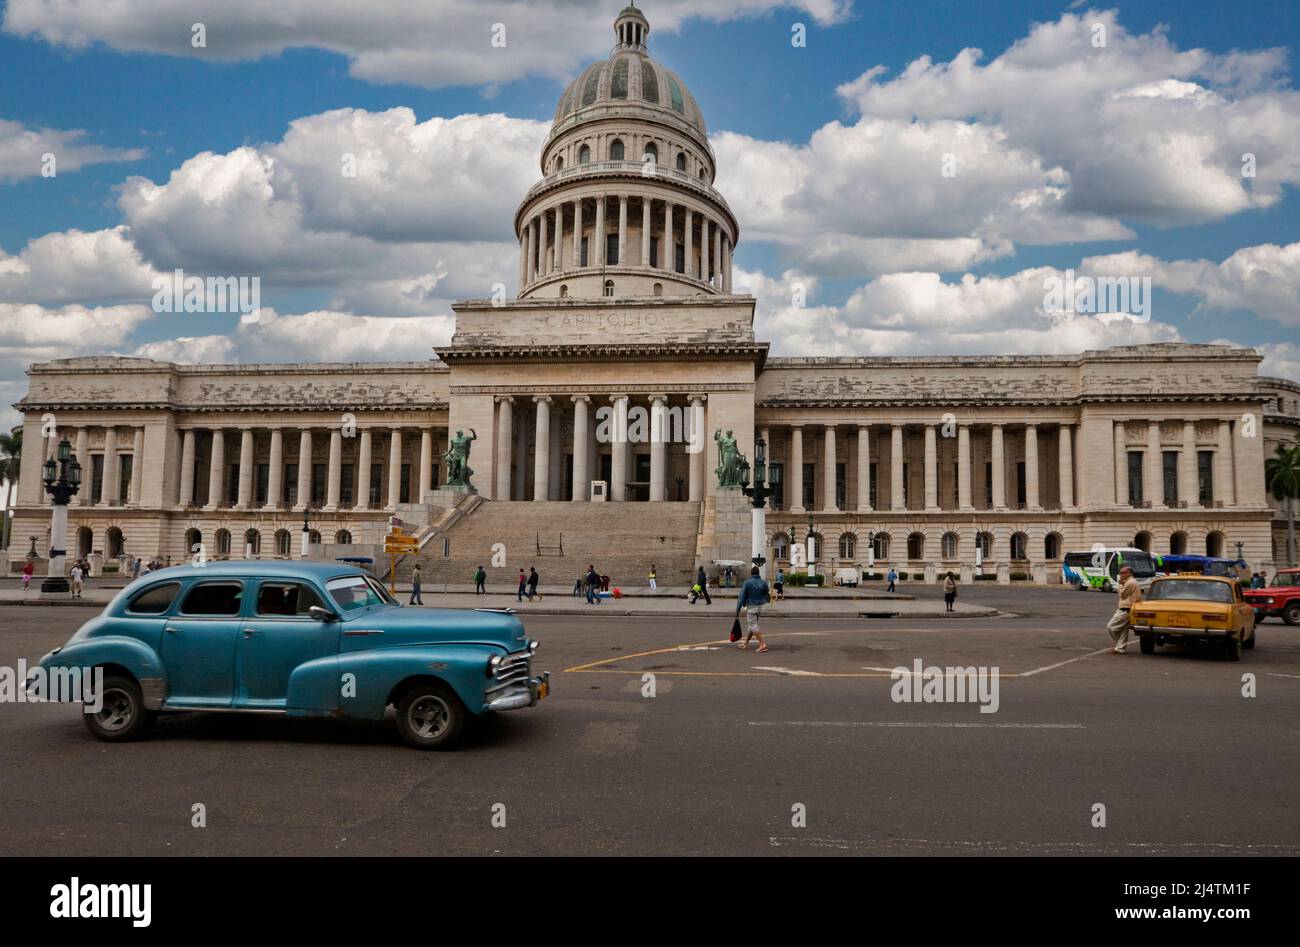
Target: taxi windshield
{"x": 357, "y": 591}
{"x": 1197, "y": 590}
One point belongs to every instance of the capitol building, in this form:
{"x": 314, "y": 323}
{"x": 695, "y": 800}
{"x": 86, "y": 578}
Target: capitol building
{"x": 594, "y": 396}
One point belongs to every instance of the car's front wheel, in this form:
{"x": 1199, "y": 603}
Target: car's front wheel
{"x": 430, "y": 716}
{"x": 1291, "y": 614}
{"x": 121, "y": 715}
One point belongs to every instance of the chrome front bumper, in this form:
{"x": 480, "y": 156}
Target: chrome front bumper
{"x": 524, "y": 694}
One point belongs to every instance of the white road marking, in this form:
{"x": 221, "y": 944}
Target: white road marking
{"x": 788, "y": 671}
{"x": 916, "y": 723}
{"x": 1275, "y": 674}
{"x": 1052, "y": 667}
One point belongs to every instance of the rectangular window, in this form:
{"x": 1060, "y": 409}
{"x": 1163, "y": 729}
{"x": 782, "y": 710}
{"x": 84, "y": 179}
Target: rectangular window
{"x": 841, "y": 501}
{"x": 318, "y": 484}
{"x": 871, "y": 486}
{"x": 1135, "y": 478}
{"x": 96, "y": 477}
{"x": 809, "y": 487}
{"x": 262, "y": 487}
{"x": 988, "y": 484}
{"x": 1169, "y": 472}
{"x": 345, "y": 484}
{"x": 433, "y": 478}
{"x": 611, "y": 249}
{"x": 956, "y": 485}
{"x": 584, "y": 252}
{"x": 404, "y": 487}
{"x": 1205, "y": 477}
{"x": 654, "y": 251}
{"x": 291, "y": 484}
{"x": 376, "y": 484}
{"x": 125, "y": 469}
{"x": 1021, "y": 485}
{"x": 232, "y": 486}
{"x": 679, "y": 258}
{"x": 776, "y": 478}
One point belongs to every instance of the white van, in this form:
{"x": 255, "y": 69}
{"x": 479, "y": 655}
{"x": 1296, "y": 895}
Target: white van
{"x": 1098, "y": 568}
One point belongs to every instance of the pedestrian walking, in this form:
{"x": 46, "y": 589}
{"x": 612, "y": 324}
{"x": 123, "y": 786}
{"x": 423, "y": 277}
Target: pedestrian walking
{"x": 702, "y": 580}
{"x": 480, "y": 578}
{"x": 780, "y": 584}
{"x": 694, "y": 594}
{"x": 533, "y": 579}
{"x": 523, "y": 586}
{"x": 135, "y": 568}
{"x": 727, "y": 577}
{"x": 752, "y": 598}
{"x": 579, "y": 587}
{"x": 593, "y": 583}
{"x": 949, "y": 592}
{"x": 1130, "y": 593}
{"x": 653, "y": 585}
{"x": 77, "y": 575}
{"x": 415, "y": 586}
{"x": 28, "y": 571}
{"x": 892, "y": 577}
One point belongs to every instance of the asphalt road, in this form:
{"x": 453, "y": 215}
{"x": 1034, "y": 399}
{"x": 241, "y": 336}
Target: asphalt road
{"x": 718, "y": 760}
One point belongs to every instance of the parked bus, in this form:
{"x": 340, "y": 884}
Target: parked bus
{"x": 1205, "y": 565}
{"x": 1098, "y": 568}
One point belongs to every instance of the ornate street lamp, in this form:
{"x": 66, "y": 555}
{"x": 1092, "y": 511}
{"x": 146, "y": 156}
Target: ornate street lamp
{"x": 758, "y": 493}
{"x": 62, "y": 477}
{"x": 812, "y": 547}
{"x": 306, "y": 528}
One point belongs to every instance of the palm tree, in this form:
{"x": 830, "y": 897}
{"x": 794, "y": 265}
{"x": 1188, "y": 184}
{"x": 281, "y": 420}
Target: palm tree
{"x": 11, "y": 456}
{"x": 1282, "y": 476}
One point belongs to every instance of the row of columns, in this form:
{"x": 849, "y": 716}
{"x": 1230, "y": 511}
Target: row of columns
{"x": 275, "y": 477}
{"x": 542, "y": 240}
{"x": 582, "y": 475}
{"x": 1153, "y": 470}
{"x": 111, "y": 485}
{"x": 897, "y": 499}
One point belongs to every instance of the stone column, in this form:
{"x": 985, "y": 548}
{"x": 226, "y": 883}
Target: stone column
{"x": 828, "y": 472}
{"x": 699, "y": 431}
{"x": 108, "y": 491}
{"x": 334, "y": 472}
{"x": 523, "y": 256}
{"x": 622, "y": 230}
{"x": 505, "y": 444}
{"x": 426, "y": 466}
{"x": 726, "y": 267}
{"x": 275, "y": 479}
{"x": 864, "y": 468}
{"x": 598, "y": 236}
{"x": 394, "y": 468}
{"x": 304, "y": 469}
{"x": 717, "y": 256}
{"x": 963, "y": 468}
{"x": 137, "y": 467}
{"x": 82, "y": 452}
{"x": 557, "y": 255}
{"x": 186, "y": 497}
{"x": 364, "y": 462}
{"x": 1121, "y": 465}
{"x": 529, "y": 260}
{"x": 1065, "y": 461}
{"x": 618, "y": 449}
{"x": 1152, "y": 490}
{"x": 1031, "y": 467}
{"x": 581, "y": 476}
{"x": 658, "y": 455}
{"x": 704, "y": 248}
{"x": 245, "y": 500}
{"x": 690, "y": 242}
{"x": 931, "y": 469}
{"x": 645, "y": 231}
{"x": 796, "y": 468}
{"x": 1187, "y": 492}
{"x": 216, "y": 468}
{"x": 577, "y": 233}
{"x": 999, "y": 469}
{"x": 542, "y": 450}
{"x": 543, "y": 269}
{"x": 1225, "y": 491}
{"x": 666, "y": 246}
{"x": 897, "y": 499}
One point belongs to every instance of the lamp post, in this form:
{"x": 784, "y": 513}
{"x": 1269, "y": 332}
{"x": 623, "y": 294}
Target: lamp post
{"x": 306, "y": 529}
{"x": 812, "y": 547}
{"x": 62, "y": 478}
{"x": 758, "y": 493}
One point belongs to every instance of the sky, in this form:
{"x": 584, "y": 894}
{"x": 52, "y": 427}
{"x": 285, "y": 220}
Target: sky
{"x": 909, "y": 177}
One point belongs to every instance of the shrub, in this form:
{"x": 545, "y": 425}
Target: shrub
{"x": 902, "y": 575}
{"x": 1019, "y": 576}
{"x": 985, "y": 578}
{"x": 796, "y": 579}
{"x": 817, "y": 580}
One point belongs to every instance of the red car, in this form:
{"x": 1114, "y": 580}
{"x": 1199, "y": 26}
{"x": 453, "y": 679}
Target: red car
{"x": 1280, "y": 598}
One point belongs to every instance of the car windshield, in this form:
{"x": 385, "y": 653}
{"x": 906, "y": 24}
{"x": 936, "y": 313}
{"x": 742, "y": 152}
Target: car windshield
{"x": 357, "y": 591}
{"x": 1196, "y": 590}
{"x": 1143, "y": 566}
{"x": 1286, "y": 578}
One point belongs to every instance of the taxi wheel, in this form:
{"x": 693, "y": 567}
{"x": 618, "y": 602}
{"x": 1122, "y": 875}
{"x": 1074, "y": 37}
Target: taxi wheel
{"x": 430, "y": 716}
{"x": 1232, "y": 649}
{"x": 1291, "y": 614}
{"x": 1249, "y": 643}
{"x": 122, "y": 715}
{"x": 1147, "y": 644}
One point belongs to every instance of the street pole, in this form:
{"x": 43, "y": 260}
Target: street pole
{"x": 758, "y": 493}
{"x": 62, "y": 478}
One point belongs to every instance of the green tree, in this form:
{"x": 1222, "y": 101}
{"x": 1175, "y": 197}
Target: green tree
{"x": 11, "y": 456}
{"x": 1282, "y": 476}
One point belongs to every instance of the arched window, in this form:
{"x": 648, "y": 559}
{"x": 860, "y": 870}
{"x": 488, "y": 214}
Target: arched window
{"x": 1052, "y": 546}
{"x": 313, "y": 537}
{"x": 616, "y": 150}
{"x": 564, "y": 291}
{"x": 1019, "y": 546}
{"x": 1214, "y": 544}
{"x": 1178, "y": 544}
{"x": 659, "y": 289}
{"x": 984, "y": 543}
{"x": 559, "y": 163}
{"x": 113, "y": 543}
{"x": 1142, "y": 541}
{"x": 916, "y": 547}
{"x": 651, "y": 153}
{"x": 703, "y": 173}
{"x": 880, "y": 545}
{"x": 609, "y": 287}
{"x": 848, "y": 545}
{"x": 282, "y": 542}
{"x": 681, "y": 161}
{"x": 253, "y": 542}
{"x": 223, "y": 542}
{"x": 85, "y": 540}
{"x": 951, "y": 545}
{"x": 584, "y": 155}
{"x": 193, "y": 538}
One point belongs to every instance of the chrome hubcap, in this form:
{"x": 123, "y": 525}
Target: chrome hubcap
{"x": 429, "y": 717}
{"x": 118, "y": 711}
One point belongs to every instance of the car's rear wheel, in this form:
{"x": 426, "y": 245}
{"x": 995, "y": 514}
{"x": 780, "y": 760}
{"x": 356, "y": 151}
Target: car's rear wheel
{"x": 1249, "y": 643}
{"x": 430, "y": 716}
{"x": 1232, "y": 648}
{"x": 1291, "y": 614}
{"x": 1147, "y": 644}
{"x": 122, "y": 715}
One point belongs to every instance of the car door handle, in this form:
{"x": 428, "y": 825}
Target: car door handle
{"x": 249, "y": 632}
{"x": 172, "y": 630}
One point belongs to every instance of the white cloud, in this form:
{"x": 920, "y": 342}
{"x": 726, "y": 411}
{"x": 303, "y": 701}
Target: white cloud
{"x": 23, "y": 151}
{"x": 1281, "y": 360}
{"x": 76, "y": 266}
{"x": 423, "y": 42}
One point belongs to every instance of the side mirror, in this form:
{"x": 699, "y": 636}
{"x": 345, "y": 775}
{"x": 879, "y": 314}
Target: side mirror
{"x": 321, "y": 614}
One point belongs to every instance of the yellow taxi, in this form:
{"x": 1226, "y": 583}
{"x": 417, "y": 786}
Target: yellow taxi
{"x": 1194, "y": 607}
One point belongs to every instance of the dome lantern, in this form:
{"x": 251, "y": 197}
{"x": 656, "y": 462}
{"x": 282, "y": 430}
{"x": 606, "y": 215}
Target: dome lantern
{"x": 631, "y": 28}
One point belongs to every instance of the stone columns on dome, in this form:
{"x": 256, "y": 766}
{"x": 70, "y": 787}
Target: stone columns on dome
{"x": 690, "y": 242}
{"x": 542, "y": 269}
{"x": 529, "y": 254}
{"x": 577, "y": 234}
{"x": 622, "y": 230}
{"x": 717, "y": 257}
{"x": 667, "y": 250}
{"x": 645, "y": 230}
{"x": 557, "y": 256}
{"x": 599, "y": 235}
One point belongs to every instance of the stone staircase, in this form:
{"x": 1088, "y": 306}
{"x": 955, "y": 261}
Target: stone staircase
{"x": 621, "y": 539}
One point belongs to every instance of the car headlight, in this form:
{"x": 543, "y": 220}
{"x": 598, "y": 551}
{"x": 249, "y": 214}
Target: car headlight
{"x": 493, "y": 663}
{"x": 532, "y": 646}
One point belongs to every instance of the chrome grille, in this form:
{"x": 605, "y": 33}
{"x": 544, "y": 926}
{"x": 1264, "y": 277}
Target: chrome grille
{"x": 514, "y": 669}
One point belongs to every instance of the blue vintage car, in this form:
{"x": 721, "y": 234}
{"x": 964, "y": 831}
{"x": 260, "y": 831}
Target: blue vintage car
{"x": 297, "y": 638}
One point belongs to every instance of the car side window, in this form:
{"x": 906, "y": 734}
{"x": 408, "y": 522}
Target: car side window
{"x": 222, "y": 599}
{"x": 154, "y": 600}
{"x": 286, "y": 599}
